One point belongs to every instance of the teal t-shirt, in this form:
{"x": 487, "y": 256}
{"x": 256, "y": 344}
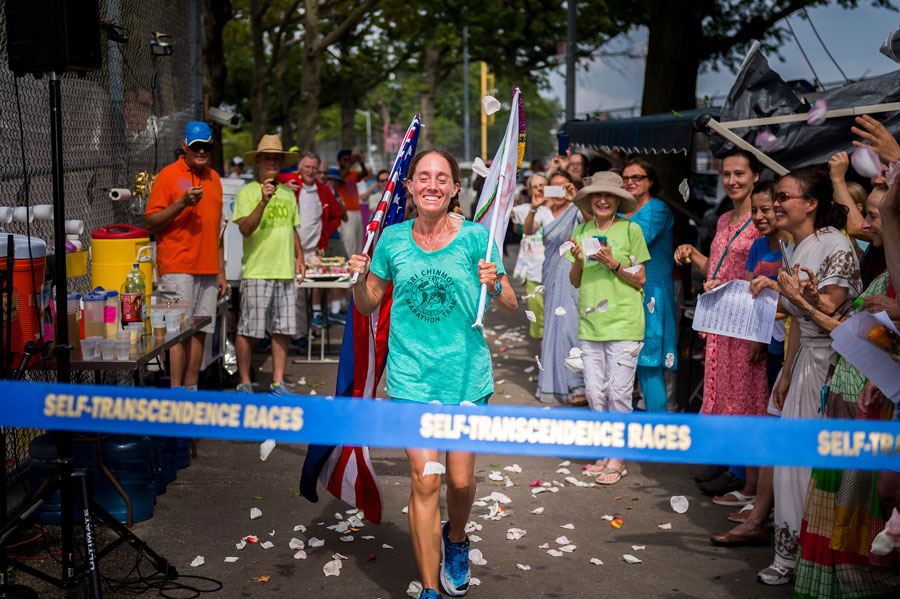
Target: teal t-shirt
{"x": 434, "y": 353}
{"x": 269, "y": 251}
{"x": 624, "y": 317}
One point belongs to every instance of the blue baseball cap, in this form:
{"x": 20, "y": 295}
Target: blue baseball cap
{"x": 335, "y": 173}
{"x": 197, "y": 131}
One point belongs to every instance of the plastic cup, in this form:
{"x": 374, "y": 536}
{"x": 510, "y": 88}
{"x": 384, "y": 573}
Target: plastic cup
{"x": 108, "y": 349}
{"x": 126, "y": 334}
{"x": 123, "y": 348}
{"x": 89, "y": 348}
{"x": 135, "y": 331}
{"x": 173, "y": 322}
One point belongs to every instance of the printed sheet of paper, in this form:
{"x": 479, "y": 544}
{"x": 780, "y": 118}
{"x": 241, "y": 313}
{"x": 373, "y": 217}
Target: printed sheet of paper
{"x": 730, "y": 310}
{"x": 872, "y": 361}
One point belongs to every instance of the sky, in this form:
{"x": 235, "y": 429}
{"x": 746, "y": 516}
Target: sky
{"x": 853, "y": 37}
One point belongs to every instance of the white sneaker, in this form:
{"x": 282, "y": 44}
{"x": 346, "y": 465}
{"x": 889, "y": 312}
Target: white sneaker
{"x": 775, "y": 575}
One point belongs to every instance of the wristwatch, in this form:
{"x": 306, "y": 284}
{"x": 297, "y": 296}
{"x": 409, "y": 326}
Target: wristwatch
{"x": 616, "y": 269}
{"x": 809, "y": 315}
{"x": 532, "y": 210}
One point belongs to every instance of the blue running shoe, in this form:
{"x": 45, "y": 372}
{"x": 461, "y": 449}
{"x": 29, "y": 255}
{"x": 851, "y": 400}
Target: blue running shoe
{"x": 300, "y": 343}
{"x": 317, "y": 322}
{"x": 455, "y": 564}
{"x": 245, "y": 388}
{"x": 429, "y": 594}
{"x": 340, "y": 318}
{"x": 279, "y": 389}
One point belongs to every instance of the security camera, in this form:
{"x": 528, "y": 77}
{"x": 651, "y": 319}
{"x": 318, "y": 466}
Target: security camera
{"x": 224, "y": 118}
{"x": 891, "y": 46}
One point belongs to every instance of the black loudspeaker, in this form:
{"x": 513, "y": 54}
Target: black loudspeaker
{"x": 45, "y": 36}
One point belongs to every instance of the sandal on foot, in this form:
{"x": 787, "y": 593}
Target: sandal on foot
{"x": 597, "y": 467}
{"x": 733, "y": 499}
{"x": 610, "y": 470}
{"x": 741, "y": 516}
{"x": 775, "y": 575}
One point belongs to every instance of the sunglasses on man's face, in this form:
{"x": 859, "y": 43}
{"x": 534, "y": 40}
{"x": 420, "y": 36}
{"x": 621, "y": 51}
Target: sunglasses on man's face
{"x": 201, "y": 146}
{"x": 382, "y": 181}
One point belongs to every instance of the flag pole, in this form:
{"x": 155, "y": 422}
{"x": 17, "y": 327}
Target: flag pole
{"x": 482, "y": 298}
{"x": 386, "y": 195}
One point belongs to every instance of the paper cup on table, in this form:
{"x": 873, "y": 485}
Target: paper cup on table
{"x": 6, "y": 215}
{"x": 43, "y": 211}
{"x": 108, "y": 349}
{"x": 23, "y": 215}
{"x": 74, "y": 227}
{"x": 123, "y": 348}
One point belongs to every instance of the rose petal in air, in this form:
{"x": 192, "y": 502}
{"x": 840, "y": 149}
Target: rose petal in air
{"x": 265, "y": 448}
{"x": 491, "y": 104}
{"x": 530, "y": 316}
{"x": 679, "y": 503}
{"x": 816, "y": 114}
{"x": 565, "y": 247}
{"x": 480, "y": 168}
{"x": 670, "y": 359}
{"x": 765, "y": 141}
{"x": 560, "y": 311}
{"x": 684, "y": 189}
{"x": 651, "y": 305}
{"x": 538, "y": 360}
{"x": 433, "y": 468}
{"x": 865, "y": 162}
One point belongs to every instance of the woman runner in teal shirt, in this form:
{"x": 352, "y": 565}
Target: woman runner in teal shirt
{"x": 436, "y": 262}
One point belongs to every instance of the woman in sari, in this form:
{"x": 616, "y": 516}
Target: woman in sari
{"x": 556, "y": 383}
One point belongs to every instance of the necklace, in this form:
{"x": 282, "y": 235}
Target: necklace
{"x": 611, "y": 222}
{"x": 434, "y": 238}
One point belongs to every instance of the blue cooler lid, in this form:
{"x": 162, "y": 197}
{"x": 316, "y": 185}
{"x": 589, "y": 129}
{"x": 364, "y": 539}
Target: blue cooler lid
{"x": 20, "y": 245}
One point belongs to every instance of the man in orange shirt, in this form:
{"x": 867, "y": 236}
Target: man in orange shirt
{"x": 185, "y": 213}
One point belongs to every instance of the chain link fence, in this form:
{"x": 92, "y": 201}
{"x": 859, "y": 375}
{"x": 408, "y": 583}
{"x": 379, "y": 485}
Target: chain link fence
{"x": 126, "y": 118}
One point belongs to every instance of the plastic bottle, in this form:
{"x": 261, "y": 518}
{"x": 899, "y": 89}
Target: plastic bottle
{"x": 132, "y": 301}
{"x": 140, "y": 285}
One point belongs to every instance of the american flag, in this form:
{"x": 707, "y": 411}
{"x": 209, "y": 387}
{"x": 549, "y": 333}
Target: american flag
{"x": 346, "y": 471}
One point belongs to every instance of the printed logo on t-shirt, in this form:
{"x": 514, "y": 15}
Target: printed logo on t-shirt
{"x": 277, "y": 214}
{"x": 431, "y": 295}
{"x": 183, "y": 184}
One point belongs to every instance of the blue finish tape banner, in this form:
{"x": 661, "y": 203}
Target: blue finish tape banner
{"x": 519, "y": 430}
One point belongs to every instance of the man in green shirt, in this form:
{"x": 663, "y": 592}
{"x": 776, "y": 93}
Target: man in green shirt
{"x": 266, "y": 215}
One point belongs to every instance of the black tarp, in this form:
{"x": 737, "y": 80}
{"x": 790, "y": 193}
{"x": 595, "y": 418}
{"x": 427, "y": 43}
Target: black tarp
{"x": 760, "y": 92}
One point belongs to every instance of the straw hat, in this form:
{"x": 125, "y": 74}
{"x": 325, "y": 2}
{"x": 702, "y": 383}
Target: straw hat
{"x": 270, "y": 144}
{"x": 604, "y": 182}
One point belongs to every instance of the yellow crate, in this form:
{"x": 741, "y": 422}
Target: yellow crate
{"x": 76, "y": 263}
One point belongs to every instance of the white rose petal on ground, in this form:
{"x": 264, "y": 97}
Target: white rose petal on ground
{"x": 528, "y": 369}
{"x": 666, "y": 526}
{"x": 272, "y": 534}
{"x": 314, "y": 542}
{"x": 241, "y": 545}
{"x": 265, "y": 448}
{"x": 267, "y": 544}
{"x": 386, "y": 546}
{"x": 564, "y": 464}
{"x": 514, "y": 534}
{"x": 333, "y": 568}
{"x": 638, "y": 547}
{"x": 507, "y": 482}
{"x": 567, "y": 548}
{"x": 606, "y": 517}
{"x": 514, "y": 468}
{"x": 474, "y": 538}
{"x": 523, "y": 567}
{"x": 544, "y": 546}
{"x": 405, "y": 509}
{"x": 679, "y": 503}
{"x": 596, "y": 561}
{"x": 300, "y": 554}
{"x": 684, "y": 189}
{"x": 477, "y": 558}
{"x": 536, "y": 490}
{"x": 563, "y": 471}
{"x": 491, "y": 104}
{"x": 472, "y": 526}
{"x": 231, "y": 560}
{"x": 414, "y": 589}
{"x": 433, "y": 468}
{"x": 555, "y": 553}
{"x": 255, "y": 513}
{"x": 198, "y": 561}
{"x": 569, "y": 526}
{"x": 480, "y": 168}
{"x": 630, "y": 559}
{"x": 538, "y": 510}
{"x": 474, "y": 581}
{"x": 580, "y": 483}
{"x": 563, "y": 540}
{"x": 296, "y": 544}
{"x": 347, "y": 539}
{"x": 299, "y": 528}
{"x": 495, "y": 475}
{"x": 500, "y": 497}
{"x": 367, "y": 537}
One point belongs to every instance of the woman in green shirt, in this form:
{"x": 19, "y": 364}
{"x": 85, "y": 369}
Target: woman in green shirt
{"x": 610, "y": 281}
{"x": 436, "y": 263}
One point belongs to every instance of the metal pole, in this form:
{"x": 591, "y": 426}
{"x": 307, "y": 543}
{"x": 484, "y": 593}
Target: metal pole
{"x": 467, "y": 155}
{"x": 572, "y": 13}
{"x": 63, "y": 372}
{"x": 483, "y": 113}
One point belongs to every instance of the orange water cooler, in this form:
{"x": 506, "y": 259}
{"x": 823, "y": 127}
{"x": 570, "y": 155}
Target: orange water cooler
{"x": 28, "y": 286}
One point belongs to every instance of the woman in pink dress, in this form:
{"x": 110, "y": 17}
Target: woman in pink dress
{"x": 733, "y": 384}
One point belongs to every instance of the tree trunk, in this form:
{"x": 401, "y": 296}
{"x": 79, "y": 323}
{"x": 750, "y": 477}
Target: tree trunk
{"x": 310, "y": 80}
{"x": 260, "y": 82}
{"x": 213, "y": 17}
{"x": 432, "y": 76}
{"x": 287, "y": 121}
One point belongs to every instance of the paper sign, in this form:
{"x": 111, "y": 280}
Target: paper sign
{"x": 554, "y": 191}
{"x": 731, "y": 310}
{"x": 591, "y": 245}
{"x": 872, "y": 361}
